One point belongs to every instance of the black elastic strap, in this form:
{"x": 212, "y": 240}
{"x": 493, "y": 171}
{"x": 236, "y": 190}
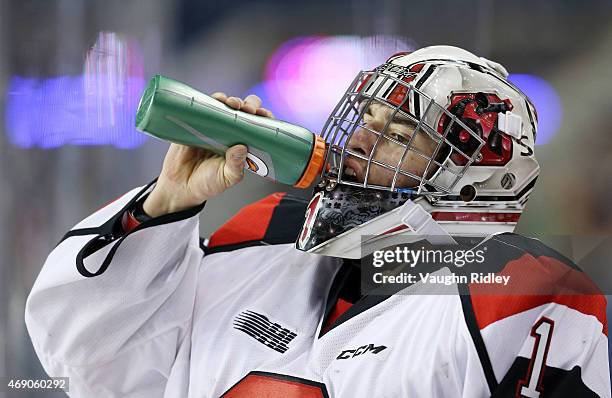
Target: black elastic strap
{"x": 138, "y": 211}
{"x": 109, "y": 228}
{"x": 472, "y": 325}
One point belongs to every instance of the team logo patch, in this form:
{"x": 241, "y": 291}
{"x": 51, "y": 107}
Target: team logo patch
{"x": 260, "y": 328}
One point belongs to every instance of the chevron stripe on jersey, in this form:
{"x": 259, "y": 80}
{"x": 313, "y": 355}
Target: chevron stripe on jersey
{"x": 544, "y": 286}
{"x": 538, "y": 275}
{"x": 275, "y": 219}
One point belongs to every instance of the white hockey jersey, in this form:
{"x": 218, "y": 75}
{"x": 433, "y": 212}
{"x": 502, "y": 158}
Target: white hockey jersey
{"x": 153, "y": 313}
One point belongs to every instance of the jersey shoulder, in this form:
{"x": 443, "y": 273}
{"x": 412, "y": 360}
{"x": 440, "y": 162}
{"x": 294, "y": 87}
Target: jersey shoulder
{"x": 535, "y": 275}
{"x": 275, "y": 219}
{"x": 544, "y": 331}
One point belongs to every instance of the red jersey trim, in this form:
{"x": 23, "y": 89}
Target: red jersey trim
{"x": 535, "y": 282}
{"x": 250, "y": 223}
{"x": 340, "y": 308}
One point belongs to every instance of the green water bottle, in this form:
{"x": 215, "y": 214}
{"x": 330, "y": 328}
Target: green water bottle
{"x": 278, "y": 150}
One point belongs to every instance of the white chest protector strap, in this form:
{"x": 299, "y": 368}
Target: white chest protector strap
{"x": 370, "y": 236}
{"x": 422, "y": 223}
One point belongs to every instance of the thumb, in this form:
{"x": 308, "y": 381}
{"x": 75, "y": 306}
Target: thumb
{"x": 235, "y": 162}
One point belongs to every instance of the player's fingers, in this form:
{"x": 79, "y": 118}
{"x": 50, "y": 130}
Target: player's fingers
{"x": 265, "y": 112}
{"x": 248, "y": 108}
{"x": 219, "y": 96}
{"x": 251, "y": 104}
{"x": 253, "y": 100}
{"x": 235, "y": 162}
{"x": 234, "y": 102}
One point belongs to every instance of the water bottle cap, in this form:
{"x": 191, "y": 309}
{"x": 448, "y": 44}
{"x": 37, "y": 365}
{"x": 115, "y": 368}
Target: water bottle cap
{"x": 315, "y": 164}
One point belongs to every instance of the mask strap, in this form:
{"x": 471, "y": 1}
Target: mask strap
{"x": 422, "y": 223}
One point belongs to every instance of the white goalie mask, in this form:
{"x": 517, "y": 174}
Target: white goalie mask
{"x": 466, "y": 166}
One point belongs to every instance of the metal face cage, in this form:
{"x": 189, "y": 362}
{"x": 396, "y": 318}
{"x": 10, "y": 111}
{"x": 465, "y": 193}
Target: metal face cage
{"x": 392, "y": 86}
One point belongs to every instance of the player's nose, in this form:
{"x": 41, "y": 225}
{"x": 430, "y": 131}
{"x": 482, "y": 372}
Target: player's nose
{"x": 364, "y": 138}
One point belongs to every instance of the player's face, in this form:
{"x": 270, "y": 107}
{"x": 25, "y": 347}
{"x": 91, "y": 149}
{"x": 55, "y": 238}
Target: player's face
{"x": 388, "y": 152}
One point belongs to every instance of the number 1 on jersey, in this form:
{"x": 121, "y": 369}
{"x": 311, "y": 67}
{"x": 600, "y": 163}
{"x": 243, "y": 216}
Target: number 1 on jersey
{"x": 531, "y": 386}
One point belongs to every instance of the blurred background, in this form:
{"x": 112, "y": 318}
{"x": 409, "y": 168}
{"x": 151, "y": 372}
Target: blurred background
{"x": 72, "y": 71}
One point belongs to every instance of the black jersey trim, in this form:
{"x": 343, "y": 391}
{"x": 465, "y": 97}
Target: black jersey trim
{"x": 508, "y": 246}
{"x": 365, "y": 302}
{"x": 362, "y": 305}
{"x": 284, "y": 226}
{"x": 282, "y": 377}
{"x": 339, "y": 282}
{"x": 287, "y": 219}
{"x": 472, "y": 325}
{"x": 555, "y": 383}
{"x": 534, "y": 247}
{"x": 228, "y": 248}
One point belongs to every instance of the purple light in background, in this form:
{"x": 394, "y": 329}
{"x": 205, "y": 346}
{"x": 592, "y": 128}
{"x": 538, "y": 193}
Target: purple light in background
{"x": 96, "y": 108}
{"x": 546, "y": 102}
{"x": 306, "y": 76}
{"x": 49, "y": 113}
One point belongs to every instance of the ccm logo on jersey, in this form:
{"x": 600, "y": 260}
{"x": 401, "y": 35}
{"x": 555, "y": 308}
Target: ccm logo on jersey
{"x": 346, "y": 354}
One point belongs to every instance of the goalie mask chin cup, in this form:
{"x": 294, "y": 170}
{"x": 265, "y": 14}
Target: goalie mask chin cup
{"x": 336, "y": 209}
{"x": 473, "y": 180}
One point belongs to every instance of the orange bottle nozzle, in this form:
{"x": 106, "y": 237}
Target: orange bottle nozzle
{"x": 315, "y": 165}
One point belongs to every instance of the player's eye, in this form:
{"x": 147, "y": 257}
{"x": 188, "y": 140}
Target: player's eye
{"x": 399, "y": 137}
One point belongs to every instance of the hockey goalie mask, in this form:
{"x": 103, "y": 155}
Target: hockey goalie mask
{"x": 434, "y": 143}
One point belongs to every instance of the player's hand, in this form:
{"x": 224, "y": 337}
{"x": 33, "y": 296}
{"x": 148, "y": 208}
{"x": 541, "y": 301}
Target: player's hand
{"x": 192, "y": 175}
